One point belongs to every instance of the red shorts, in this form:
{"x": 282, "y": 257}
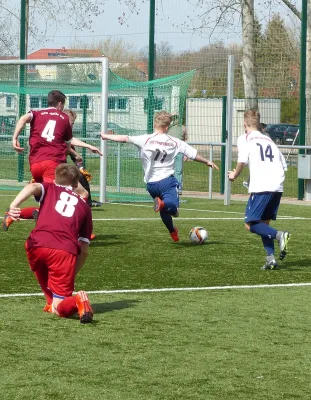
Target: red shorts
{"x": 44, "y": 171}
{"x": 60, "y": 266}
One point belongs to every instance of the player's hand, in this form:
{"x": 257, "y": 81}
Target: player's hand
{"x": 95, "y": 150}
{"x": 14, "y": 213}
{"x": 103, "y": 136}
{"x": 17, "y": 146}
{"x": 212, "y": 165}
{"x": 231, "y": 175}
{"x": 79, "y": 158}
{"x": 185, "y": 158}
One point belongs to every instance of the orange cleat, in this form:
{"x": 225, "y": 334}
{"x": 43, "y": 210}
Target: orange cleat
{"x": 48, "y": 308}
{"x": 85, "y": 310}
{"x": 93, "y": 236}
{"x": 158, "y": 204}
{"x": 7, "y": 221}
{"x": 174, "y": 235}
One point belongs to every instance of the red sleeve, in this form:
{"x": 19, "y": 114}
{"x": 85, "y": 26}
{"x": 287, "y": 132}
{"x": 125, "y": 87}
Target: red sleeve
{"x": 45, "y": 186}
{"x": 34, "y": 114}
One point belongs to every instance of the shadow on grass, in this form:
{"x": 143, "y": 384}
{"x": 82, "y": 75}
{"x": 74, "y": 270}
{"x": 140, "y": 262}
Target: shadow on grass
{"x": 295, "y": 265}
{"x": 209, "y": 243}
{"x": 101, "y": 308}
{"x": 106, "y": 240}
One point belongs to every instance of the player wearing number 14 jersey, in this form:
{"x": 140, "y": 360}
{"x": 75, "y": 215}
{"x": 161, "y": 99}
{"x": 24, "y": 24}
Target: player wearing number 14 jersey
{"x": 58, "y": 246}
{"x": 267, "y": 173}
{"x": 158, "y": 152}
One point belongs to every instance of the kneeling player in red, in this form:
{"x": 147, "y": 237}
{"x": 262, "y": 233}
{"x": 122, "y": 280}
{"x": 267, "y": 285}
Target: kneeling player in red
{"x": 58, "y": 246}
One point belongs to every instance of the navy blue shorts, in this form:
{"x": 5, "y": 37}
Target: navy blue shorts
{"x": 166, "y": 189}
{"x": 262, "y": 206}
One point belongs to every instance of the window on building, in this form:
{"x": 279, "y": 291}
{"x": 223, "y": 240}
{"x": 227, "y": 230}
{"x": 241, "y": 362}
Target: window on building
{"x": 73, "y": 101}
{"x": 44, "y": 102}
{"x": 9, "y": 101}
{"x": 158, "y": 104}
{"x": 34, "y": 102}
{"x": 118, "y": 103}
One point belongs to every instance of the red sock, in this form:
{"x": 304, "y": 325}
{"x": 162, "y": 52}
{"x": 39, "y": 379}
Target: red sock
{"x": 67, "y": 307}
{"x": 26, "y": 213}
{"x": 42, "y": 278}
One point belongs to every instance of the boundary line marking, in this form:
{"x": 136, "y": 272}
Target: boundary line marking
{"x": 185, "y": 289}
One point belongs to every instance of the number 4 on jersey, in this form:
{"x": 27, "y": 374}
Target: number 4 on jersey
{"x": 48, "y": 131}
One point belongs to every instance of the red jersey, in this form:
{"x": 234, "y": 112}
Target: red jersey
{"x": 50, "y": 129}
{"x": 64, "y": 220}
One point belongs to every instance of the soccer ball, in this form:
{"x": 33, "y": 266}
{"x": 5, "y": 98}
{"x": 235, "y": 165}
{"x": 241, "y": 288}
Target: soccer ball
{"x": 198, "y": 235}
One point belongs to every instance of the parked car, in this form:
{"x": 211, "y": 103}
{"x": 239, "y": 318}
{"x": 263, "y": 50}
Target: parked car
{"x": 276, "y": 131}
{"x": 291, "y": 135}
{"x": 92, "y": 129}
{"x": 7, "y": 124}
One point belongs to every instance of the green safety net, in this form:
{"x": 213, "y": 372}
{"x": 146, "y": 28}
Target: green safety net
{"x": 131, "y": 108}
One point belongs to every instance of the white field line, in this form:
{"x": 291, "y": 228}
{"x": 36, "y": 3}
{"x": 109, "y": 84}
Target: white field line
{"x": 163, "y": 290}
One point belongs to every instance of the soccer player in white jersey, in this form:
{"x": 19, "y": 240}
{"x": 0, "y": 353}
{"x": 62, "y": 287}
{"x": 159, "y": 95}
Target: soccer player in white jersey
{"x": 158, "y": 152}
{"x": 266, "y": 165}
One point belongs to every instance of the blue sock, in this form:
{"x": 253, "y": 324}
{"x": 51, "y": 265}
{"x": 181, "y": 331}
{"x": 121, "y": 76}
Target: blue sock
{"x": 264, "y": 230}
{"x": 167, "y": 220}
{"x": 268, "y": 244}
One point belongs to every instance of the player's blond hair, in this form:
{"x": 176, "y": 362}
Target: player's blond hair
{"x": 162, "y": 119}
{"x": 67, "y": 175}
{"x": 252, "y": 119}
{"x": 71, "y": 114}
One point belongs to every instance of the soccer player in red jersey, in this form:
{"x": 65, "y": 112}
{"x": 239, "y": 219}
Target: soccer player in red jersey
{"x": 58, "y": 246}
{"x": 50, "y": 140}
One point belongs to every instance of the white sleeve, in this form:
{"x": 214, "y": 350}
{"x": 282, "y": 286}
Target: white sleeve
{"x": 187, "y": 150}
{"x": 138, "y": 141}
{"x": 283, "y": 162}
{"x": 243, "y": 151}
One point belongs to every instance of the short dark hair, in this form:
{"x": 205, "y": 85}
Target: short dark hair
{"x": 55, "y": 97}
{"x": 67, "y": 174}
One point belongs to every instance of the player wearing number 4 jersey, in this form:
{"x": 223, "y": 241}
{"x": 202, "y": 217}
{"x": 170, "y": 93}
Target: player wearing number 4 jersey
{"x": 50, "y": 140}
{"x": 267, "y": 172}
{"x": 58, "y": 246}
{"x": 158, "y": 152}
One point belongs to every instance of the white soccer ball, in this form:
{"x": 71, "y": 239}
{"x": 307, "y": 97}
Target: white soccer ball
{"x": 198, "y": 235}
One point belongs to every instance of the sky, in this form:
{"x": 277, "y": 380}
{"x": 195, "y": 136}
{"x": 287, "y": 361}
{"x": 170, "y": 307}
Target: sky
{"x": 174, "y": 19}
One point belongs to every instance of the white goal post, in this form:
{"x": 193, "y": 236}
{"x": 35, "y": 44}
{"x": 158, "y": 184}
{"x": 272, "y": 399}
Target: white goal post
{"x": 103, "y": 61}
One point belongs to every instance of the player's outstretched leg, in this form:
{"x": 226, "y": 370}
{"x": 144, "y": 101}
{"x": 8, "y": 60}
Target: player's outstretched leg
{"x": 283, "y": 238}
{"x": 168, "y": 222}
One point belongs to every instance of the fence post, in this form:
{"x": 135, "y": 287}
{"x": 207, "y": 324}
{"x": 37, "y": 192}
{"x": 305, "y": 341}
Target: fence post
{"x": 84, "y": 105}
{"x": 229, "y": 129}
{"x": 223, "y": 140}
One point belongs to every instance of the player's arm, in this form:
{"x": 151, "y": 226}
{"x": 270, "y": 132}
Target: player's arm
{"x": 24, "y": 119}
{"x": 114, "y": 138}
{"x": 81, "y": 258}
{"x": 79, "y": 143}
{"x": 232, "y": 175}
{"x": 203, "y": 160}
{"x": 32, "y": 189}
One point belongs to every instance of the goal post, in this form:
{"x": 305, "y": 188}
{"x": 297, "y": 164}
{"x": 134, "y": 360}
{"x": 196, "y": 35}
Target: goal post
{"x": 103, "y": 101}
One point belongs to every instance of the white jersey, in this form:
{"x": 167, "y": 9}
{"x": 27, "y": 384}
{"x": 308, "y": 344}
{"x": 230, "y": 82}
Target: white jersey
{"x": 158, "y": 152}
{"x": 266, "y": 162}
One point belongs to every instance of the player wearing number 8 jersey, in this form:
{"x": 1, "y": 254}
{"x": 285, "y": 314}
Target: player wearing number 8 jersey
{"x": 158, "y": 152}
{"x": 58, "y": 246}
{"x": 267, "y": 173}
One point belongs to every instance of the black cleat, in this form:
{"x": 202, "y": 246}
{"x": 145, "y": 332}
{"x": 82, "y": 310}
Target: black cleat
{"x": 270, "y": 265}
{"x": 283, "y": 243}
{"x": 95, "y": 203}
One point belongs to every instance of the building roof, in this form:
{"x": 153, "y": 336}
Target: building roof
{"x": 63, "y": 52}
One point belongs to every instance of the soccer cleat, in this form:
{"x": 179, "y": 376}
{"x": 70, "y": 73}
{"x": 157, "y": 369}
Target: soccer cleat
{"x": 158, "y": 204}
{"x": 270, "y": 265}
{"x": 7, "y": 221}
{"x": 84, "y": 307}
{"x": 283, "y": 243}
{"x": 95, "y": 203}
{"x": 93, "y": 236}
{"x": 174, "y": 235}
{"x": 35, "y": 215}
{"x": 48, "y": 308}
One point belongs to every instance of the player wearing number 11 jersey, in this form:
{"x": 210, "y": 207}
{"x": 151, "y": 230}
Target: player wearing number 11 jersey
{"x": 158, "y": 152}
{"x": 267, "y": 173}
